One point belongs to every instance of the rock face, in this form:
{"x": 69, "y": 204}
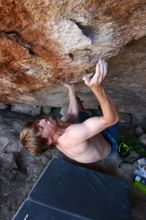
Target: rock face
{"x": 47, "y": 42}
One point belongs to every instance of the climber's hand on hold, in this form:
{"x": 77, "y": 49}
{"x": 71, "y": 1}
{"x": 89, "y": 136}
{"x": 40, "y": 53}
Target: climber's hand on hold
{"x": 99, "y": 76}
{"x": 70, "y": 86}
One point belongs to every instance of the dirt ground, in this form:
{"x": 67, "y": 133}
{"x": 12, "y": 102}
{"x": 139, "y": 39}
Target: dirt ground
{"x": 19, "y": 170}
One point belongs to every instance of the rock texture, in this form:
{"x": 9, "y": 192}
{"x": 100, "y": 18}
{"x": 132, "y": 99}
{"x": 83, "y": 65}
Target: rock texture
{"x": 47, "y": 42}
{"x": 27, "y": 109}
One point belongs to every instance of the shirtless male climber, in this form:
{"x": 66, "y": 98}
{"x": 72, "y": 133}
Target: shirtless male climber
{"x": 87, "y": 141}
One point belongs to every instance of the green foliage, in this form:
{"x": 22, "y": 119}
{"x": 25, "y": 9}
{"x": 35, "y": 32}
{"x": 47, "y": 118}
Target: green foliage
{"x": 130, "y": 143}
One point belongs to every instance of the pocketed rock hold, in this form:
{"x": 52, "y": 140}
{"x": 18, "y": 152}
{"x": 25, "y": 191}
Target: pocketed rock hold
{"x": 27, "y": 109}
{"x": 142, "y": 140}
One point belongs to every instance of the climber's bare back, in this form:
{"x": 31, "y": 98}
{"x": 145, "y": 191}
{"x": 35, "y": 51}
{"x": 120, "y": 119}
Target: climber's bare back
{"x": 89, "y": 151}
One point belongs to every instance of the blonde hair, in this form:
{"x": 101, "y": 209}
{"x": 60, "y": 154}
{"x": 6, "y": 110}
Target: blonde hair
{"x": 33, "y": 143}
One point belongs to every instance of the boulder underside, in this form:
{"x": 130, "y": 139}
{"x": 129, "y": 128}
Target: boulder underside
{"x": 46, "y": 43}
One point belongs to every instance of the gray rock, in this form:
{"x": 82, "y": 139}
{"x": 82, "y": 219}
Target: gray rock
{"x": 141, "y": 119}
{"x": 7, "y": 161}
{"x": 63, "y": 110}
{"x": 142, "y": 139}
{"x": 139, "y": 131}
{"x": 143, "y": 124}
{"x": 27, "y": 109}
{"x": 68, "y": 29}
{"x": 126, "y": 118}
{"x": 3, "y": 106}
{"x": 46, "y": 110}
{"x": 4, "y": 141}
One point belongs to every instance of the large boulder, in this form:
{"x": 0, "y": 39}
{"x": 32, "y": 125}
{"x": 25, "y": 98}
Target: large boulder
{"x": 46, "y": 43}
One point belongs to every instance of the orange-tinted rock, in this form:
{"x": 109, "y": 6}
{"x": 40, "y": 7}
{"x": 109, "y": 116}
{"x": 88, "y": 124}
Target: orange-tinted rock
{"x": 45, "y": 43}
